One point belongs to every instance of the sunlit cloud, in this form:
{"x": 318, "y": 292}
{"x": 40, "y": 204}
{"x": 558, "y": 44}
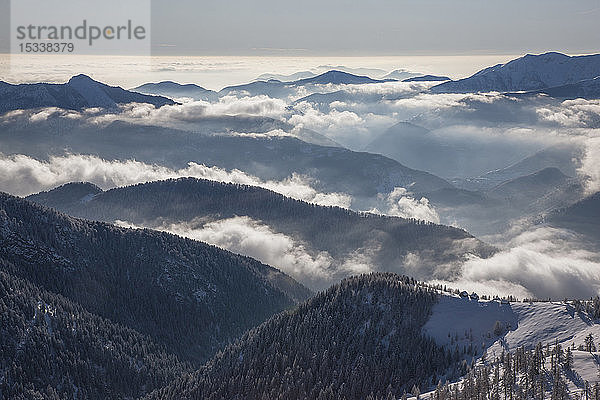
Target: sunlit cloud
{"x": 23, "y": 175}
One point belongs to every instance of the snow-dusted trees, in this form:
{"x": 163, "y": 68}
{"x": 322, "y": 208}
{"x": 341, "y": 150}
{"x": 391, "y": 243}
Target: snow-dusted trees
{"x": 51, "y": 348}
{"x": 188, "y": 296}
{"x": 535, "y": 374}
{"x": 588, "y": 343}
{"x": 338, "y": 231}
{"x": 357, "y": 339}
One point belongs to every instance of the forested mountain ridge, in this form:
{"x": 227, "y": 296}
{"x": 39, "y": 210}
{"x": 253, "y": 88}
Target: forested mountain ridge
{"x": 359, "y": 339}
{"x": 189, "y": 296}
{"x": 52, "y": 348}
{"x": 340, "y": 232}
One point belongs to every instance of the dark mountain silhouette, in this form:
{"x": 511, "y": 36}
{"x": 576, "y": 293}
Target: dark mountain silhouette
{"x": 186, "y": 295}
{"x": 427, "y": 78}
{"x": 80, "y": 92}
{"x": 338, "y": 231}
{"x": 53, "y": 348}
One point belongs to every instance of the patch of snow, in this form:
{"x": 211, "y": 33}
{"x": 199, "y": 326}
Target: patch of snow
{"x": 464, "y": 322}
{"x": 458, "y": 321}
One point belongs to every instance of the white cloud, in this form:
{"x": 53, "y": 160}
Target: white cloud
{"x": 542, "y": 262}
{"x": 579, "y": 113}
{"x": 44, "y": 114}
{"x": 244, "y": 235}
{"x": 23, "y": 175}
{"x": 590, "y": 166}
{"x": 196, "y": 111}
{"x": 309, "y": 117}
{"x": 401, "y": 203}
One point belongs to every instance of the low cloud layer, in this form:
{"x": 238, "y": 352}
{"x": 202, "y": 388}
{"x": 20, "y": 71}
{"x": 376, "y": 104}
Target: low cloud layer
{"x": 22, "y": 175}
{"x": 244, "y": 235}
{"x": 541, "y": 262}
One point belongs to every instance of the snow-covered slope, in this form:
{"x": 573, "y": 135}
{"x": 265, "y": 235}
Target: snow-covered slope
{"x": 464, "y": 322}
{"x": 530, "y": 72}
{"x": 498, "y": 328}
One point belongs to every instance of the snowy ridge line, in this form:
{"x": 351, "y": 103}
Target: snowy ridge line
{"x": 485, "y": 332}
{"x": 545, "y": 372}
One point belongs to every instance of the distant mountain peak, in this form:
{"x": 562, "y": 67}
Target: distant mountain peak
{"x": 335, "y": 72}
{"x": 335, "y": 76}
{"x": 69, "y": 193}
{"x": 79, "y": 92}
{"x": 91, "y": 90}
{"x": 177, "y": 90}
{"x": 277, "y": 88}
{"x": 427, "y": 78}
{"x": 81, "y": 78}
{"x": 527, "y": 73}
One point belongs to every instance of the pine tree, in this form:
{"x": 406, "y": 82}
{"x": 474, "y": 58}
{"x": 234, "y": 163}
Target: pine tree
{"x": 569, "y": 359}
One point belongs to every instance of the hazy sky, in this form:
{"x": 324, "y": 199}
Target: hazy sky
{"x": 376, "y": 27}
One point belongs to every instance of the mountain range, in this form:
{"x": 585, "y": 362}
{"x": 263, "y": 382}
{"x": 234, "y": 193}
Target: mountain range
{"x": 565, "y": 157}
{"x": 78, "y": 93}
{"x": 333, "y": 169}
{"x": 340, "y": 233}
{"x": 279, "y": 89}
{"x": 185, "y": 295}
{"x": 527, "y": 73}
{"x": 483, "y": 204}
{"x": 175, "y": 90}
{"x": 90, "y": 309}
